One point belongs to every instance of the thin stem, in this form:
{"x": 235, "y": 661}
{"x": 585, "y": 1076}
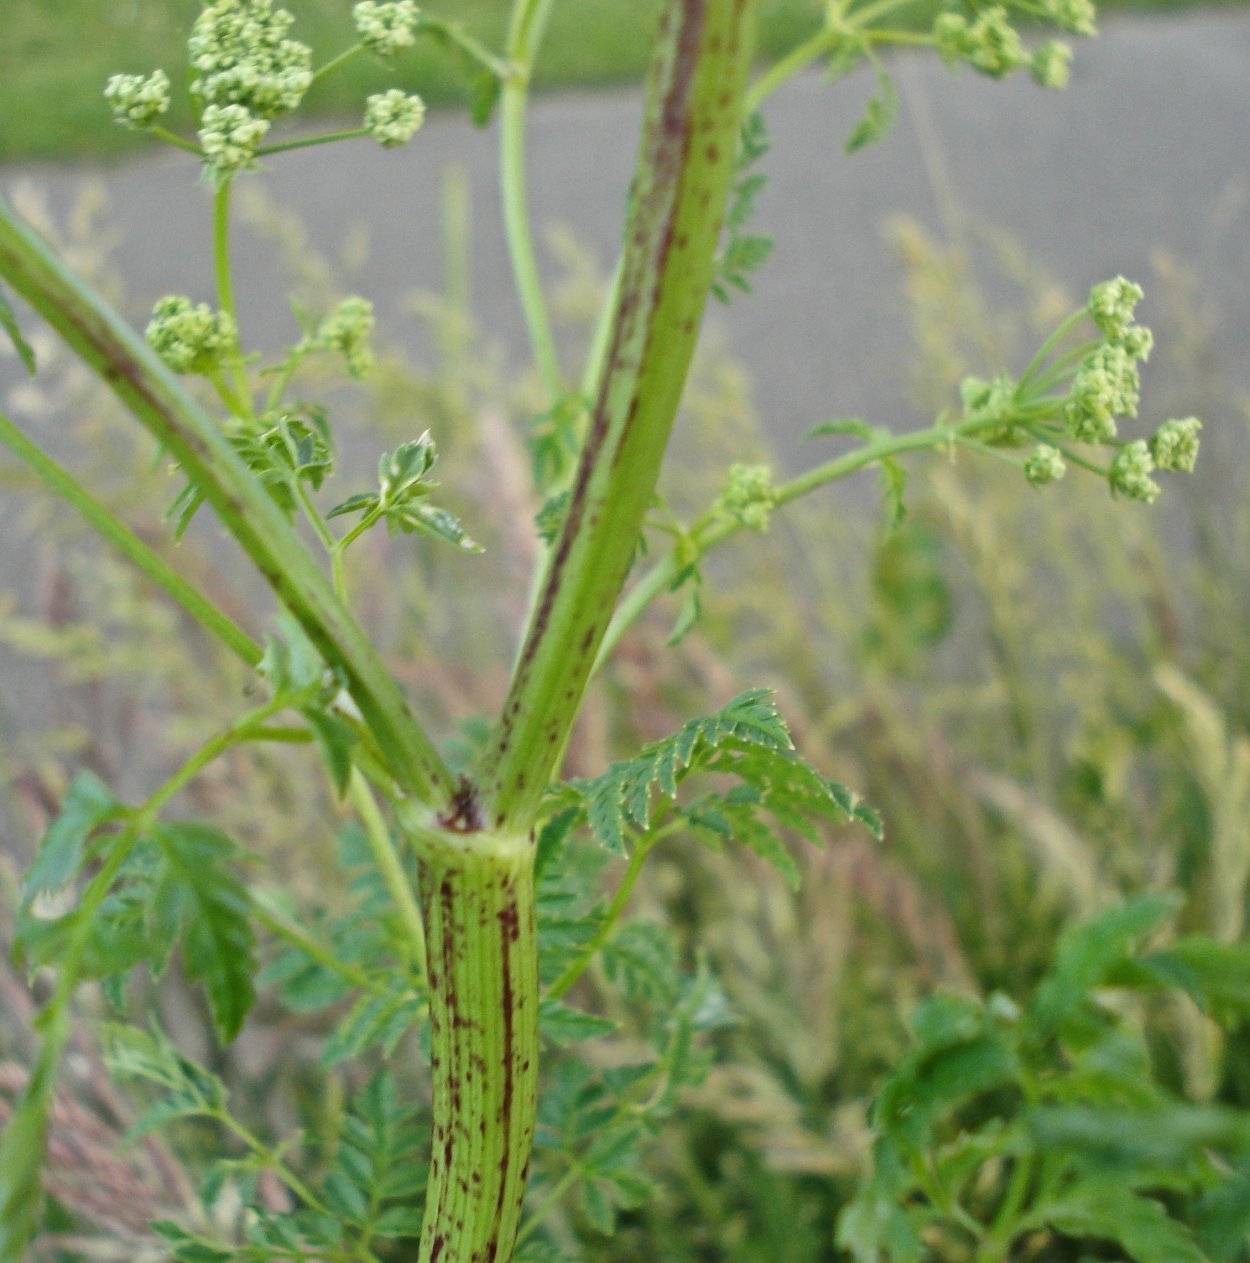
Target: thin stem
{"x": 787, "y": 67}
{"x": 386, "y": 857}
{"x": 306, "y": 142}
{"x": 271, "y": 1160}
{"x": 172, "y": 138}
{"x": 268, "y": 914}
{"x": 225, "y": 286}
{"x": 130, "y": 545}
{"x": 335, "y": 62}
{"x": 1044, "y": 350}
{"x": 577, "y": 967}
{"x": 318, "y": 523}
{"x": 339, "y": 548}
{"x": 717, "y": 529}
{"x": 529, "y": 18}
{"x": 548, "y": 1203}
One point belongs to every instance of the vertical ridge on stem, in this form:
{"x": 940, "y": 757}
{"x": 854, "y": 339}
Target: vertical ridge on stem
{"x": 478, "y": 899}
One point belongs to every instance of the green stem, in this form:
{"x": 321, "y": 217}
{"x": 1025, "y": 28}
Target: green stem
{"x": 477, "y": 891}
{"x": 318, "y": 523}
{"x": 529, "y": 18}
{"x": 161, "y": 404}
{"x": 1045, "y": 349}
{"x": 130, "y": 545}
{"x": 306, "y": 142}
{"x": 716, "y": 530}
{"x": 577, "y": 967}
{"x": 335, "y": 62}
{"x": 270, "y": 915}
{"x": 693, "y": 112}
{"x": 173, "y": 138}
{"x": 225, "y": 286}
{"x": 787, "y": 67}
{"x": 386, "y": 857}
{"x": 271, "y": 1160}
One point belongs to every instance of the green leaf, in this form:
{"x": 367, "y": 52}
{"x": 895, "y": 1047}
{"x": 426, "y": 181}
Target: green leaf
{"x": 8, "y": 322}
{"x": 336, "y": 739}
{"x": 878, "y": 117}
{"x": 377, "y": 1017}
{"x": 1171, "y": 1137}
{"x": 1090, "y": 952}
{"x": 1104, "y": 1211}
{"x": 620, "y": 798}
{"x": 562, "y": 1024}
{"x": 200, "y": 896}
{"x": 893, "y": 485}
{"x": 88, "y": 803}
{"x": 189, "y": 1247}
{"x": 691, "y": 609}
{"x": 1216, "y": 975}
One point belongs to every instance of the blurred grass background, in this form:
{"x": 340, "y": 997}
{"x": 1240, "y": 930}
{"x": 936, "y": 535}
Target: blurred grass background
{"x": 56, "y": 57}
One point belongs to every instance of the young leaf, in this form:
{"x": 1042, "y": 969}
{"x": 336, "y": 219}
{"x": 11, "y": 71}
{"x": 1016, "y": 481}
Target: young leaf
{"x": 88, "y": 804}
{"x": 200, "y": 897}
{"x": 1107, "y": 1211}
{"x": 878, "y": 115}
{"x": 1088, "y": 953}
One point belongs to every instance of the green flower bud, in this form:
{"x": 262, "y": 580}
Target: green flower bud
{"x": 229, "y": 135}
{"x": 749, "y": 495}
{"x": 1051, "y": 66}
{"x": 1106, "y": 386}
{"x": 386, "y": 28}
{"x": 1129, "y": 475}
{"x": 1044, "y": 466}
{"x": 987, "y": 399}
{"x": 1175, "y": 444}
{"x": 347, "y": 330}
{"x": 992, "y": 45}
{"x": 190, "y": 339}
{"x": 1077, "y": 16}
{"x": 1137, "y": 342}
{"x": 1111, "y": 305}
{"x": 392, "y": 117}
{"x": 138, "y": 102}
{"x": 239, "y": 48}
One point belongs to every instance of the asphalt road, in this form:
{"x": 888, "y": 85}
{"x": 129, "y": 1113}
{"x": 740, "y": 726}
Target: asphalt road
{"x": 1145, "y": 158}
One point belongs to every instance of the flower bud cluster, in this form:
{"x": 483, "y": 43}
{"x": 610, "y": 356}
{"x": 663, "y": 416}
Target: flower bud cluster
{"x": 989, "y": 43}
{"x": 189, "y": 338}
{"x": 749, "y": 495}
{"x": 1107, "y": 384}
{"x": 1130, "y": 472}
{"x": 1077, "y": 16}
{"x": 385, "y": 28}
{"x": 249, "y": 72}
{"x": 347, "y": 329}
{"x": 1051, "y": 64}
{"x": 1044, "y": 466}
{"x": 229, "y": 135}
{"x": 392, "y": 117}
{"x": 1175, "y": 444}
{"x": 138, "y": 102}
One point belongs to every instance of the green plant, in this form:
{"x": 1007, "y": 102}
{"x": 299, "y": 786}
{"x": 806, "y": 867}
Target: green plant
{"x": 476, "y": 907}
